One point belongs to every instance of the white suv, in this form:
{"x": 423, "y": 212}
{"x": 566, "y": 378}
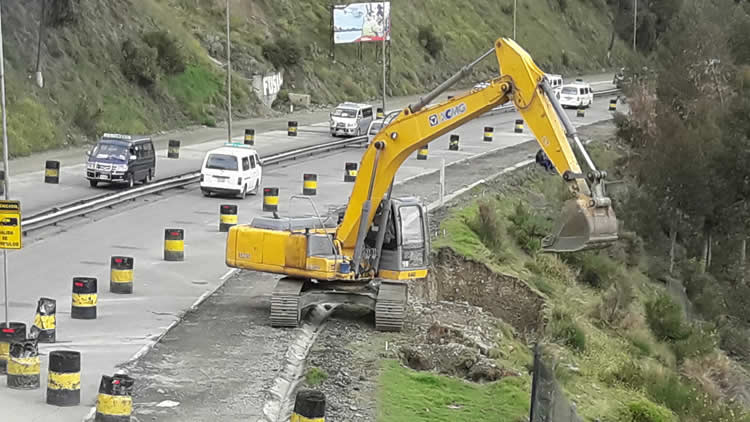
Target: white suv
{"x": 234, "y": 169}
{"x": 578, "y": 94}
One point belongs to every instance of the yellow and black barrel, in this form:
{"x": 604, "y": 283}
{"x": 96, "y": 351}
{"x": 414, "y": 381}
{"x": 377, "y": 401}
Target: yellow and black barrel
{"x": 489, "y": 133}
{"x": 379, "y": 113}
{"x": 173, "y": 150}
{"x": 10, "y": 332}
{"x": 309, "y": 184}
{"x": 174, "y": 244}
{"x": 52, "y": 171}
{"x": 114, "y": 402}
{"x": 45, "y": 322}
{"x": 249, "y": 136}
{"x": 309, "y": 406}
{"x": 581, "y": 112}
{"x": 292, "y": 128}
{"x": 270, "y": 199}
{"x": 518, "y": 128}
{"x": 84, "y": 298}
{"x": 23, "y": 365}
{"x": 350, "y": 172}
{"x": 64, "y": 378}
{"x": 121, "y": 274}
{"x": 227, "y": 217}
{"x": 613, "y": 104}
{"x": 422, "y": 153}
{"x": 453, "y": 143}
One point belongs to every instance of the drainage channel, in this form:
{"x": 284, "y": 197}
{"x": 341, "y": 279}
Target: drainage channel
{"x": 280, "y": 401}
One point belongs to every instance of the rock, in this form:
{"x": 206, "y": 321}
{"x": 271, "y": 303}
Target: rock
{"x": 168, "y": 403}
{"x": 415, "y": 359}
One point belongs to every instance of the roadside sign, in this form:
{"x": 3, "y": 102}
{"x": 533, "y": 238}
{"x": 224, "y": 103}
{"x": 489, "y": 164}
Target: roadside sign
{"x": 10, "y": 225}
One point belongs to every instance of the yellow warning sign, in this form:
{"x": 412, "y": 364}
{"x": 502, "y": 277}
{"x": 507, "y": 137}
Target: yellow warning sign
{"x": 10, "y": 225}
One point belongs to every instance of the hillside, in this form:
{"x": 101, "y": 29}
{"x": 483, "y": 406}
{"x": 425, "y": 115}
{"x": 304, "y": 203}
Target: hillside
{"x": 169, "y": 74}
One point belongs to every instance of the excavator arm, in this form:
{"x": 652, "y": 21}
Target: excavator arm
{"x": 587, "y": 221}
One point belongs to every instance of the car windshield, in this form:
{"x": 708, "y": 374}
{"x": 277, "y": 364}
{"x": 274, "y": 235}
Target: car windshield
{"x": 105, "y": 151}
{"x": 345, "y": 112}
{"x": 221, "y": 162}
{"x": 375, "y": 128}
{"x": 569, "y": 90}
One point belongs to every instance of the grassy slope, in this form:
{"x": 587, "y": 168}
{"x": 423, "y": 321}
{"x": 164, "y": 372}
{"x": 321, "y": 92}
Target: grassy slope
{"x": 86, "y": 93}
{"x": 593, "y": 377}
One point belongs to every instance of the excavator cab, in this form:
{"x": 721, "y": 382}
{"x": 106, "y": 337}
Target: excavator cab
{"x": 404, "y": 249}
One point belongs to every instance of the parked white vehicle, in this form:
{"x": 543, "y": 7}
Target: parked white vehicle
{"x": 578, "y": 94}
{"x": 351, "y": 119}
{"x": 234, "y": 169}
{"x": 555, "y": 82}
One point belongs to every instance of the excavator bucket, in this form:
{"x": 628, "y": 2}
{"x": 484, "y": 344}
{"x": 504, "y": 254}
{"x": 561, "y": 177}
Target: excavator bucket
{"x": 582, "y": 227}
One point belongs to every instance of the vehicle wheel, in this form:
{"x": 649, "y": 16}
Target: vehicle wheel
{"x": 244, "y": 192}
{"x": 131, "y": 180}
{"x": 146, "y": 178}
{"x": 206, "y": 193}
{"x": 93, "y": 183}
{"x": 256, "y": 188}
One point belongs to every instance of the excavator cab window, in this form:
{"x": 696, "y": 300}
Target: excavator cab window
{"x": 412, "y": 233}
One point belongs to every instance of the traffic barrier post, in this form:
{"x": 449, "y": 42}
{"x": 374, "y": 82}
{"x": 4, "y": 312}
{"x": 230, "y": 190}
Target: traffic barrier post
{"x": 114, "y": 403}
{"x": 13, "y": 331}
{"x": 45, "y": 321}
{"x": 270, "y": 199}
{"x": 309, "y": 184}
{"x": 227, "y": 217}
{"x": 23, "y": 365}
{"x": 173, "y": 151}
{"x": 350, "y": 172}
{"x": 52, "y": 172}
{"x": 121, "y": 274}
{"x": 84, "y": 298}
{"x": 64, "y": 378}
{"x": 174, "y": 244}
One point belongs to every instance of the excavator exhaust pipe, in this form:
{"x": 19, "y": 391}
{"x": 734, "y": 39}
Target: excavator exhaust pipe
{"x": 582, "y": 226}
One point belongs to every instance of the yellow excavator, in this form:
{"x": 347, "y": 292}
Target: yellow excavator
{"x": 368, "y": 256}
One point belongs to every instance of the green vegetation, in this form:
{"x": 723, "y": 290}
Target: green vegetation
{"x": 315, "y": 376}
{"x": 407, "y": 395}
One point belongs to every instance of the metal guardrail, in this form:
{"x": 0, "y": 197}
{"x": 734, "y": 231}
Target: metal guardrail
{"x": 87, "y": 205}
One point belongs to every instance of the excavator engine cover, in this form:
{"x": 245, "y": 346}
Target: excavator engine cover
{"x": 582, "y": 227}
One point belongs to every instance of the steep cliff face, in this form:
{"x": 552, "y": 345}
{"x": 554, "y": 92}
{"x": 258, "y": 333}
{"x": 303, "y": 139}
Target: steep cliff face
{"x": 104, "y": 65}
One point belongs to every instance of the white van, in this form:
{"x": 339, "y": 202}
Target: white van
{"x": 351, "y": 119}
{"x": 555, "y": 82}
{"x": 578, "y": 94}
{"x": 234, "y": 169}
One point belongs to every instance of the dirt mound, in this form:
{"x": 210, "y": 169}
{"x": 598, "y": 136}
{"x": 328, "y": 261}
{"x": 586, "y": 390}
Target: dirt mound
{"x": 457, "y": 279}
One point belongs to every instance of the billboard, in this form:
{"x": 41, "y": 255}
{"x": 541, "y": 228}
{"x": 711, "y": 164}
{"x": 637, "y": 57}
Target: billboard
{"x": 361, "y": 22}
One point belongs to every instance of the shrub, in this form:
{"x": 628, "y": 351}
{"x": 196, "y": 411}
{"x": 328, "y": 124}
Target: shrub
{"x": 700, "y": 341}
{"x": 85, "y": 116}
{"x": 645, "y": 411}
{"x": 283, "y": 52}
{"x": 564, "y": 330}
{"x": 139, "y": 63}
{"x": 665, "y": 319}
{"x": 170, "y": 59}
{"x": 431, "y": 42}
{"x": 735, "y": 340}
{"x": 616, "y": 300}
{"x": 528, "y": 228}
{"x": 315, "y": 376}
{"x": 487, "y": 225}
{"x": 63, "y": 12}
{"x": 597, "y": 270}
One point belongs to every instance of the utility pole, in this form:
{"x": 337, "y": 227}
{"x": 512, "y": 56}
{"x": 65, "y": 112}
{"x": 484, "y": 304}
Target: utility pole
{"x": 6, "y": 179}
{"x": 39, "y": 77}
{"x": 515, "y": 7}
{"x": 635, "y": 21}
{"x": 229, "y": 82}
{"x": 385, "y": 35}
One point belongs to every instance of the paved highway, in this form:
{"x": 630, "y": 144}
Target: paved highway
{"x": 164, "y": 290}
